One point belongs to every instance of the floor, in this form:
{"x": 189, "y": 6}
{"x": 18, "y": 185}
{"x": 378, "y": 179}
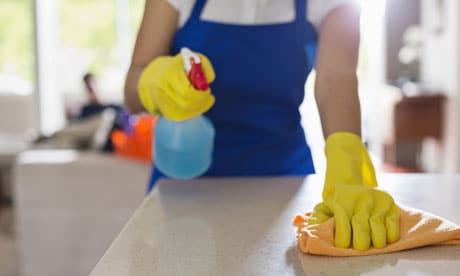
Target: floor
{"x": 8, "y": 258}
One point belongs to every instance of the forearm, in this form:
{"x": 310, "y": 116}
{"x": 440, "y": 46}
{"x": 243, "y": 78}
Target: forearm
{"x": 132, "y": 100}
{"x": 338, "y": 103}
{"x": 336, "y": 86}
{"x": 154, "y": 39}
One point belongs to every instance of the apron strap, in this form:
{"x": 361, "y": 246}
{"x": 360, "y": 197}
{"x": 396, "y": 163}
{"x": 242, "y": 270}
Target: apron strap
{"x": 300, "y": 11}
{"x": 197, "y": 9}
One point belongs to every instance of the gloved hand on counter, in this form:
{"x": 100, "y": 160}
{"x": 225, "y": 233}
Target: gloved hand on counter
{"x": 165, "y": 89}
{"x": 363, "y": 215}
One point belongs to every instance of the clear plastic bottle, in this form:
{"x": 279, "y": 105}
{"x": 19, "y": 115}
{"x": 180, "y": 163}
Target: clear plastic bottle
{"x": 183, "y": 149}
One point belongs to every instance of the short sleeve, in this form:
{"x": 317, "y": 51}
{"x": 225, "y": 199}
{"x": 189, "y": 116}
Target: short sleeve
{"x": 184, "y": 7}
{"x": 319, "y": 9}
{"x": 178, "y": 4}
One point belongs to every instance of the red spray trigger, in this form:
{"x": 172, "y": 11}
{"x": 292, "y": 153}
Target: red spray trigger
{"x": 196, "y": 75}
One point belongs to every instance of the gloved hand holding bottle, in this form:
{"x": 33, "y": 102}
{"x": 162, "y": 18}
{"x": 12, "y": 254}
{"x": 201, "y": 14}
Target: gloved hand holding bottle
{"x": 364, "y": 216}
{"x": 165, "y": 89}
{"x": 176, "y": 88}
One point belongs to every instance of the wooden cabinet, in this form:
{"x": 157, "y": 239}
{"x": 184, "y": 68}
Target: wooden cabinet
{"x": 414, "y": 120}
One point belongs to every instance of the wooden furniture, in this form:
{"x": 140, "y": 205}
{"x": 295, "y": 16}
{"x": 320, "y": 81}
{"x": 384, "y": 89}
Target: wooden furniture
{"x": 242, "y": 226}
{"x": 2, "y": 196}
{"x": 414, "y": 120}
{"x": 10, "y": 147}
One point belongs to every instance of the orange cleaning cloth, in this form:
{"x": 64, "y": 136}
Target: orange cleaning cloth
{"x": 417, "y": 229}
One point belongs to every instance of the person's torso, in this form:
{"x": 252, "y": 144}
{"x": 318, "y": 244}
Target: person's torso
{"x": 260, "y": 76}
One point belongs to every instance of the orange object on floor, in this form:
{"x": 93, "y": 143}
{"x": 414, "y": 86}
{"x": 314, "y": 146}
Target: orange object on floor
{"x": 417, "y": 229}
{"x": 137, "y": 145}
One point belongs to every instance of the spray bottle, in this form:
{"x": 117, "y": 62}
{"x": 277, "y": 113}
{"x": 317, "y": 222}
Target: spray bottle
{"x": 183, "y": 149}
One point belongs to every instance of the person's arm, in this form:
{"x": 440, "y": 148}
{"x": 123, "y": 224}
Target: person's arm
{"x": 336, "y": 87}
{"x": 154, "y": 39}
{"x": 364, "y": 215}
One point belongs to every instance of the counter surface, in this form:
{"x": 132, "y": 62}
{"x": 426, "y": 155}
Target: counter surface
{"x": 242, "y": 226}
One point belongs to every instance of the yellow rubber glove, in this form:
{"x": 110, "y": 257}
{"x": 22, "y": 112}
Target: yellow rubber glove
{"x": 165, "y": 89}
{"x": 362, "y": 213}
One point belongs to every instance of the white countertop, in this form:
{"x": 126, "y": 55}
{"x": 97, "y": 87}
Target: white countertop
{"x": 242, "y": 226}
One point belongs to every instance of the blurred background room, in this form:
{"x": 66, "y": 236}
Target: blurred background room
{"x": 66, "y": 140}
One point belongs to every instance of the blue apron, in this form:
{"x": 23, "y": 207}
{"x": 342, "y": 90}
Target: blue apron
{"x": 260, "y": 77}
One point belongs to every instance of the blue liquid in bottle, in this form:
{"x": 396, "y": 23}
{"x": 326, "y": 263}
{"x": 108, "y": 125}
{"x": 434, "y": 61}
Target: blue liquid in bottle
{"x": 183, "y": 150}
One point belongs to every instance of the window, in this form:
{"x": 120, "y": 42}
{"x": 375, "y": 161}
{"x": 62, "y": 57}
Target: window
{"x": 16, "y": 46}
{"x": 98, "y": 37}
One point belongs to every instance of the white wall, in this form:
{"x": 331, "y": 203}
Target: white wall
{"x": 50, "y": 103}
{"x": 372, "y": 72}
{"x": 441, "y": 68}
{"x": 399, "y": 15}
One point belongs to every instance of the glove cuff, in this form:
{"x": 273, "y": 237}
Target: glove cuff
{"x": 146, "y": 83}
{"x": 343, "y": 139}
{"x": 348, "y": 162}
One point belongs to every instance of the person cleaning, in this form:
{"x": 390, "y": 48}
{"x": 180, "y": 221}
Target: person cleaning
{"x": 256, "y": 55}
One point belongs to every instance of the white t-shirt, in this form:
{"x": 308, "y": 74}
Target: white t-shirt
{"x": 256, "y": 12}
